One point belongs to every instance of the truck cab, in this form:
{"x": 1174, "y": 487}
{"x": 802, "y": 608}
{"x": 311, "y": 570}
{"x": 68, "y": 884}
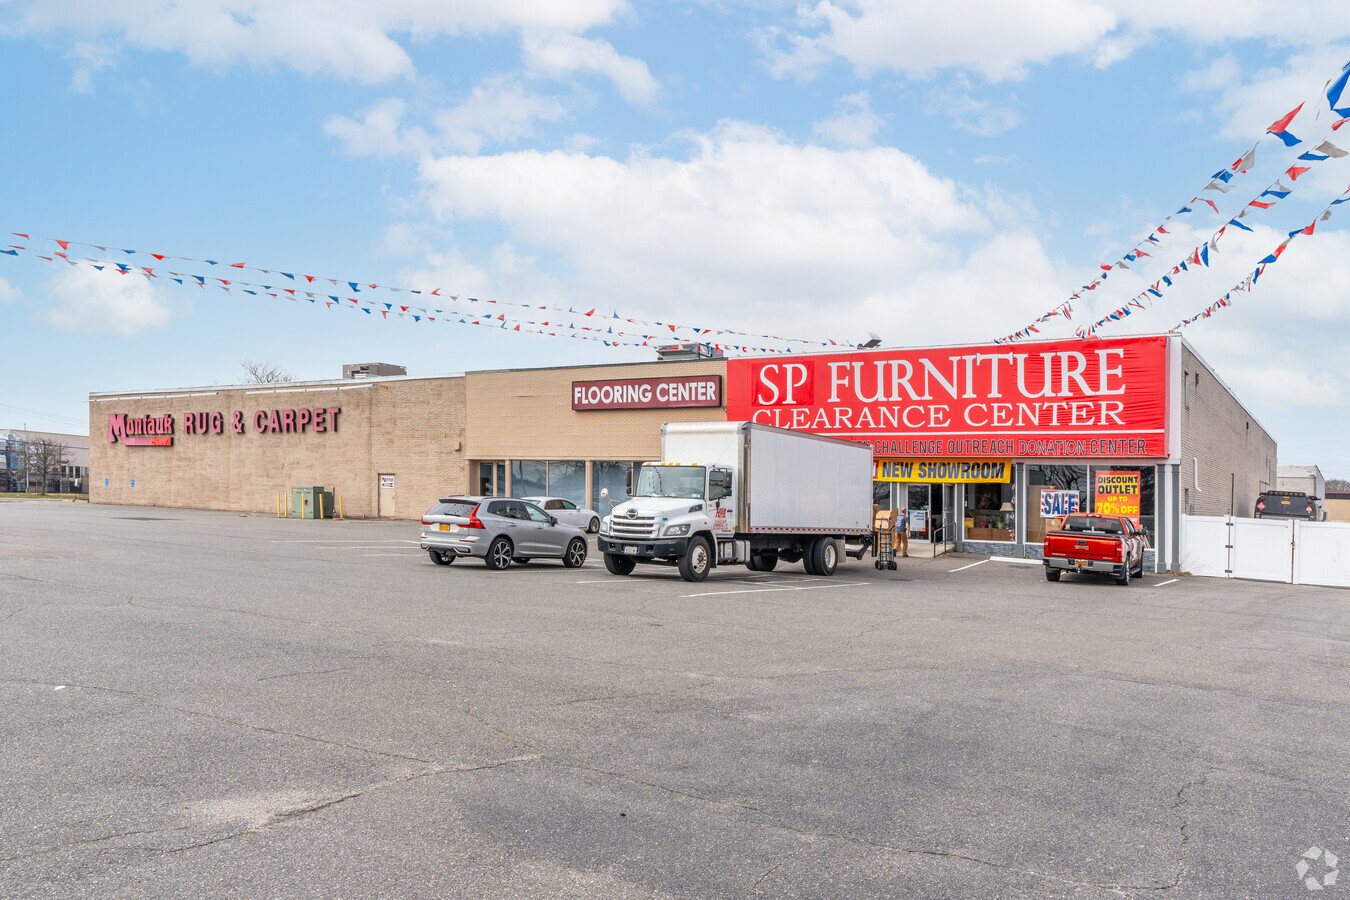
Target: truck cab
{"x": 672, "y": 505}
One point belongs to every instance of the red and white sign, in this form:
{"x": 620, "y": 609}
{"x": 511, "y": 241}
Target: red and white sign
{"x": 648, "y": 393}
{"x": 1101, "y": 398}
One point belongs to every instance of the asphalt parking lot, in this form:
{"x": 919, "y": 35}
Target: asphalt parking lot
{"x": 211, "y": 705}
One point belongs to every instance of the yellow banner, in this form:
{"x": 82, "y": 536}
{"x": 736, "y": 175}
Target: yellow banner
{"x": 944, "y": 471}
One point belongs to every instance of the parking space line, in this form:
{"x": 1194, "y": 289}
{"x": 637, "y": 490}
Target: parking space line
{"x": 971, "y": 566}
{"x": 1015, "y": 559}
{"x": 1161, "y": 583}
{"x": 766, "y": 590}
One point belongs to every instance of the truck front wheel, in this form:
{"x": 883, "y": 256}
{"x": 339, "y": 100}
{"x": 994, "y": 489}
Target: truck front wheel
{"x": 824, "y": 556}
{"x": 696, "y": 561}
{"x": 619, "y": 565}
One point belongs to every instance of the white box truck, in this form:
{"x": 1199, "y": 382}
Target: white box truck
{"x": 728, "y": 493}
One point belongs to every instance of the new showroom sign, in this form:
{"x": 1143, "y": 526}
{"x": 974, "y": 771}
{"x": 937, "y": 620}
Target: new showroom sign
{"x": 1101, "y": 398}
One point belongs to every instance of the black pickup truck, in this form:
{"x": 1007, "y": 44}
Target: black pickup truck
{"x": 1285, "y": 505}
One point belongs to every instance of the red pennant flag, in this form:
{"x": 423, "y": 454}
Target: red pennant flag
{"x": 236, "y": 265}
{"x": 404, "y": 308}
{"x": 1259, "y": 205}
{"x": 374, "y": 286}
{"x": 1105, "y": 268}
{"x": 1283, "y": 124}
{"x": 150, "y": 272}
{"x": 1162, "y": 230}
{"x": 591, "y": 313}
{"x": 1309, "y": 229}
{"x": 517, "y": 328}
{"x": 25, "y": 237}
{"x": 385, "y": 313}
{"x": 353, "y": 299}
{"x": 671, "y": 327}
{"x": 223, "y": 281}
{"x": 310, "y": 278}
{"x": 158, "y": 256}
{"x": 1196, "y": 258}
{"x": 65, "y": 245}
{"x": 436, "y": 293}
{"x": 1336, "y": 127}
{"x": 60, "y": 254}
{"x": 290, "y": 291}
{"x": 1210, "y": 202}
{"x": 1294, "y": 171}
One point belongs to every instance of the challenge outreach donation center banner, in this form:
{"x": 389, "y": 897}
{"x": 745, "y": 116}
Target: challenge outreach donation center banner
{"x": 1101, "y": 398}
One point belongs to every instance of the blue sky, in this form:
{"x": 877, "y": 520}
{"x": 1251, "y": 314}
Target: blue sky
{"x": 934, "y": 175}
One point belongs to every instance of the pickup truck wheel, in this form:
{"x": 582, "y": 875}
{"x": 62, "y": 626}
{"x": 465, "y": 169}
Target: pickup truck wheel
{"x": 1123, "y": 578}
{"x": 696, "y": 562}
{"x": 619, "y": 565}
{"x": 1051, "y": 574}
{"x": 442, "y": 557}
{"x": 824, "y": 556}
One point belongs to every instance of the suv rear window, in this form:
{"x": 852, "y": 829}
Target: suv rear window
{"x": 453, "y": 508}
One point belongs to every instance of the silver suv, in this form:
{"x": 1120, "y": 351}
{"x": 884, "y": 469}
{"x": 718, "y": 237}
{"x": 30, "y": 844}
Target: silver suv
{"x": 498, "y": 531}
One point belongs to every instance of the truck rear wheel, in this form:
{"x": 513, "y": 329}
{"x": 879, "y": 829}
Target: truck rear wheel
{"x": 1051, "y": 574}
{"x": 619, "y": 565}
{"x": 1123, "y": 579}
{"x": 823, "y": 556}
{"x": 696, "y": 562}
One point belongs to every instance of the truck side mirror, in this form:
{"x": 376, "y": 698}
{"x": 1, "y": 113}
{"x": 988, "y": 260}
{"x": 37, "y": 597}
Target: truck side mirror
{"x": 628, "y": 482}
{"x": 604, "y": 493}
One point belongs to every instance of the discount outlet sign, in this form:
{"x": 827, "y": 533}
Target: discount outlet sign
{"x": 1105, "y": 398}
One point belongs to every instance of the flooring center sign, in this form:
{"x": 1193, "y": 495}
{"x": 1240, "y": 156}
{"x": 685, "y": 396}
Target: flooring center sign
{"x": 1105, "y": 398}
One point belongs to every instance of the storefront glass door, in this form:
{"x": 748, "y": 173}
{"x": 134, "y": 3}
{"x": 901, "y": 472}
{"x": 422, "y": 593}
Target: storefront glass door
{"x": 920, "y": 525}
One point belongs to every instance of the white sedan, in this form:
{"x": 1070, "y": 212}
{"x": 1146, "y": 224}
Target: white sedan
{"x": 567, "y": 512}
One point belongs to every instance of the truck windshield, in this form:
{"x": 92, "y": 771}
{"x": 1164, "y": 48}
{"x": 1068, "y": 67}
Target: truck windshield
{"x": 670, "y": 481}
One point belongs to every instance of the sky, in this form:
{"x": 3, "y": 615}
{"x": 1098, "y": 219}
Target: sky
{"x": 929, "y": 173}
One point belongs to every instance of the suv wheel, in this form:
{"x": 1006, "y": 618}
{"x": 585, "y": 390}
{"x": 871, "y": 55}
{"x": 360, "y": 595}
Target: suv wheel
{"x": 499, "y": 554}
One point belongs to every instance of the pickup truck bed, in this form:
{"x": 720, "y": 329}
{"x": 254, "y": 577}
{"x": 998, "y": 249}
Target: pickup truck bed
{"x": 1105, "y": 545}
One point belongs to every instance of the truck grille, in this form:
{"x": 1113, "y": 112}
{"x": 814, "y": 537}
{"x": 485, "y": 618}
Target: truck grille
{"x": 637, "y": 527}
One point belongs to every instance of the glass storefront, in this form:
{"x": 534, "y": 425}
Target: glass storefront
{"x": 611, "y": 475}
{"x": 1043, "y": 479}
{"x": 1107, "y": 480}
{"x": 991, "y": 512}
{"x": 552, "y": 478}
{"x": 529, "y": 478}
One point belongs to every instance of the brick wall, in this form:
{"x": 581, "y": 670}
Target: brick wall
{"x": 408, "y": 428}
{"x": 1231, "y": 446}
{"x": 527, "y": 414}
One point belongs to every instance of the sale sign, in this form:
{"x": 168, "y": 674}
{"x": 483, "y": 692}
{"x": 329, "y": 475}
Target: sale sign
{"x": 1103, "y": 398}
{"x": 1055, "y": 504}
{"x": 1117, "y": 494}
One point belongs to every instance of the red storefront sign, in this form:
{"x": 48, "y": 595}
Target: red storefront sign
{"x": 1101, "y": 398}
{"x": 648, "y": 393}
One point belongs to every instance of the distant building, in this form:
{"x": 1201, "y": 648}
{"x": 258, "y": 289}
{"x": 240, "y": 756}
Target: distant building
{"x": 372, "y": 370}
{"x": 15, "y": 473}
{"x": 1305, "y": 480}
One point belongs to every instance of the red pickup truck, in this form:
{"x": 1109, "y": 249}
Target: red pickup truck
{"x": 1104, "y": 544}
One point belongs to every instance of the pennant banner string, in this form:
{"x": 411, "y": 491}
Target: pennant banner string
{"x": 1338, "y": 99}
{"x": 605, "y": 333}
{"x": 310, "y": 284}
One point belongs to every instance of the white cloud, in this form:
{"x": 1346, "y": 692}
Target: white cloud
{"x": 559, "y": 55}
{"x": 855, "y": 125}
{"x": 999, "y": 40}
{"x": 753, "y": 230}
{"x": 87, "y": 300}
{"x": 347, "y": 39}
{"x": 497, "y": 111}
{"x": 9, "y": 293}
{"x": 968, "y": 113}
{"x": 1248, "y": 102}
{"x": 89, "y": 58}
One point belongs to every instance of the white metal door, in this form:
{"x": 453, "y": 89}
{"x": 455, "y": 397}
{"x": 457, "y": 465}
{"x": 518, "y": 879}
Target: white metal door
{"x": 1263, "y": 549}
{"x": 1322, "y": 553}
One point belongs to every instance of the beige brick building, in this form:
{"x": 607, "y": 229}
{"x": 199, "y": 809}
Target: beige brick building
{"x": 390, "y": 446}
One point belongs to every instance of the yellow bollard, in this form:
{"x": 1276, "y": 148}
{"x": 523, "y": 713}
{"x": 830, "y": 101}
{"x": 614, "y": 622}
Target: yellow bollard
{"x": 278, "y": 504}
{"x": 321, "y": 515}
{"x": 340, "y": 506}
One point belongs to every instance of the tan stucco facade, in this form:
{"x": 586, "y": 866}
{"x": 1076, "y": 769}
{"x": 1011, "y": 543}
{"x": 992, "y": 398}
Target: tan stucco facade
{"x": 425, "y": 435}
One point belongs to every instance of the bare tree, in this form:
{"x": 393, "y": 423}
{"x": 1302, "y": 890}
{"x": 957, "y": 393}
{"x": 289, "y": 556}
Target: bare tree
{"x": 45, "y": 457}
{"x": 1338, "y": 484}
{"x": 264, "y": 373}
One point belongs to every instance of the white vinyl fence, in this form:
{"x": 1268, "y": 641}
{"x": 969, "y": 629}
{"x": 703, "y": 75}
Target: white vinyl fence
{"x": 1287, "y": 550}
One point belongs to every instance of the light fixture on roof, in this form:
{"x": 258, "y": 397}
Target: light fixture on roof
{"x": 867, "y": 340}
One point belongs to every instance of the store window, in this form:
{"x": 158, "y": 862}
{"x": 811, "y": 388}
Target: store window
{"x": 991, "y": 512}
{"x": 1061, "y": 479}
{"x": 881, "y": 495}
{"x": 567, "y": 478}
{"x": 1127, "y": 491}
{"x": 613, "y": 476}
{"x": 529, "y": 478}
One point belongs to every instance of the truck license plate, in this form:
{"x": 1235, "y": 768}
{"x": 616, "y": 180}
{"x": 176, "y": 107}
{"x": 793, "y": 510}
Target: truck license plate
{"x": 629, "y": 548}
